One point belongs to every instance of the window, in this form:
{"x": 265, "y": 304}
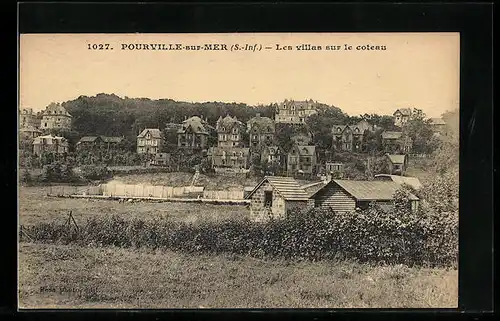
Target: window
{"x": 45, "y": 125}
{"x": 268, "y": 198}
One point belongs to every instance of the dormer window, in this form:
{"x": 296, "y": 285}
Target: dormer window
{"x": 338, "y": 129}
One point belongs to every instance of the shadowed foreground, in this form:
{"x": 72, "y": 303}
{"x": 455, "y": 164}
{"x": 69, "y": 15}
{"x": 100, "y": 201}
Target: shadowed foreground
{"x": 59, "y": 276}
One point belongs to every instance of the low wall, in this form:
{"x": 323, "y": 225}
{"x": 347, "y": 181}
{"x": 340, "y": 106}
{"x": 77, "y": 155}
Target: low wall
{"x": 225, "y": 195}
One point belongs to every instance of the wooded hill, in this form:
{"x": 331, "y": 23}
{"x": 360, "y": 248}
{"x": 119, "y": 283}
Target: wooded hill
{"x": 110, "y": 115}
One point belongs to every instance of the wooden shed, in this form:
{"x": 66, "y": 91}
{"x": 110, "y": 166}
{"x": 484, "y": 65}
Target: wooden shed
{"x": 347, "y": 195}
{"x": 274, "y": 196}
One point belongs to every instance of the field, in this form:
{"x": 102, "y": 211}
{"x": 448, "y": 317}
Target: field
{"x": 35, "y": 206}
{"x": 68, "y": 276}
{"x": 58, "y": 276}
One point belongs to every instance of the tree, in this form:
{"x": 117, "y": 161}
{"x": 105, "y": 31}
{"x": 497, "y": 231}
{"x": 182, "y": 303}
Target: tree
{"x": 420, "y": 131}
{"x": 320, "y": 125}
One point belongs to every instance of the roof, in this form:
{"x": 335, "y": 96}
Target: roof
{"x": 49, "y": 140}
{"x": 261, "y": 122}
{"x": 273, "y": 150}
{"x": 391, "y": 135}
{"x": 88, "y": 139}
{"x": 30, "y": 129}
{"x": 437, "y": 121}
{"x": 412, "y": 181}
{"x": 155, "y": 133}
{"x": 110, "y": 139}
{"x": 198, "y": 125}
{"x": 55, "y": 110}
{"x": 227, "y": 123}
{"x": 396, "y": 159}
{"x": 360, "y": 126}
{"x": 287, "y": 187}
{"x": 404, "y": 111}
{"x": 369, "y": 190}
{"x": 229, "y": 150}
{"x": 312, "y": 188}
{"x": 300, "y": 104}
{"x": 305, "y": 150}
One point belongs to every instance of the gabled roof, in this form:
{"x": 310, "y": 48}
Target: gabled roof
{"x": 403, "y": 111}
{"x": 412, "y": 181}
{"x": 261, "y": 123}
{"x": 287, "y": 187}
{"x": 155, "y": 133}
{"x": 273, "y": 150}
{"x": 305, "y": 150}
{"x": 300, "y": 104}
{"x": 227, "y": 123}
{"x": 55, "y": 110}
{"x": 368, "y": 190}
{"x": 396, "y": 159}
{"x": 391, "y": 135}
{"x": 335, "y": 128}
{"x": 198, "y": 125}
{"x": 437, "y": 121}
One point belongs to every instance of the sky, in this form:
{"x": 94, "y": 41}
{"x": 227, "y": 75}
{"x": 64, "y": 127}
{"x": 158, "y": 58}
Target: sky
{"x": 418, "y": 70}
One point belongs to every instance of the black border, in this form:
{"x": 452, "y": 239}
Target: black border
{"x": 473, "y": 21}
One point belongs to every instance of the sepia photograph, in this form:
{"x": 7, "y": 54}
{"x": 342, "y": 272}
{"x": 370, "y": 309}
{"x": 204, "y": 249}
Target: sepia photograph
{"x": 238, "y": 170}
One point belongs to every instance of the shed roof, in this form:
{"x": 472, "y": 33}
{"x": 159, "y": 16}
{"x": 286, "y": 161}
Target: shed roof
{"x": 396, "y": 159}
{"x": 287, "y": 187}
{"x": 412, "y": 181}
{"x": 368, "y": 190}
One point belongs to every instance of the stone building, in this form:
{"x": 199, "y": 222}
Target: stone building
{"x": 230, "y": 132}
{"x": 261, "y": 132}
{"x": 50, "y": 144}
{"x": 55, "y": 116}
{"x": 194, "y": 133}
{"x": 149, "y": 141}
{"x": 274, "y": 196}
{"x": 294, "y": 112}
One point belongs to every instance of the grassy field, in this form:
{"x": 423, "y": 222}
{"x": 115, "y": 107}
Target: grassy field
{"x": 58, "y": 276}
{"x": 35, "y": 206}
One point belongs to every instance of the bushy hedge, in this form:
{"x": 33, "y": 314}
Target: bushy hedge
{"x": 375, "y": 236}
{"x": 95, "y": 172}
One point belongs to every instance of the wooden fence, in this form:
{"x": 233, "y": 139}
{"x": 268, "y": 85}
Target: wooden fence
{"x": 75, "y": 190}
{"x": 142, "y": 190}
